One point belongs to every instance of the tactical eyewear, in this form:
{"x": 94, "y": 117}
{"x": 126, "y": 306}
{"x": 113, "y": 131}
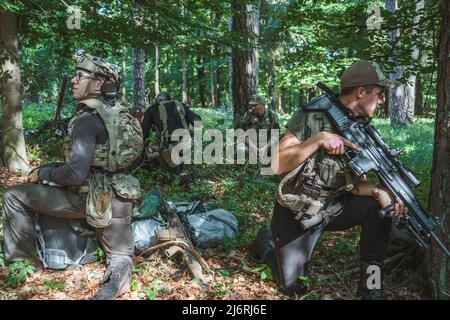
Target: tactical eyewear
{"x": 79, "y": 76}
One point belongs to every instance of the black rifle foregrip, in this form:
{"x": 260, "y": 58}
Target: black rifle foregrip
{"x": 385, "y": 211}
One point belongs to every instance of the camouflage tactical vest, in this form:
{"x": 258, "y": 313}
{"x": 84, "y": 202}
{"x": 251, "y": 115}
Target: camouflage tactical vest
{"x": 162, "y": 110}
{"x": 267, "y": 121}
{"x": 124, "y": 145}
{"x": 165, "y": 144}
{"x": 125, "y": 138}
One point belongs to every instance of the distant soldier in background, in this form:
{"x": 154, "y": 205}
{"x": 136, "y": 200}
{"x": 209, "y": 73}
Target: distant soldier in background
{"x": 259, "y": 117}
{"x": 160, "y": 120}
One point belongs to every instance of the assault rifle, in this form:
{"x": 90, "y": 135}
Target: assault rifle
{"x": 59, "y": 128}
{"x": 176, "y": 237}
{"x": 378, "y": 157}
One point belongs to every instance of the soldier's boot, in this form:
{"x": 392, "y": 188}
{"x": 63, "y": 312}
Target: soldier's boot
{"x": 116, "y": 281}
{"x": 262, "y": 246}
{"x": 371, "y": 281}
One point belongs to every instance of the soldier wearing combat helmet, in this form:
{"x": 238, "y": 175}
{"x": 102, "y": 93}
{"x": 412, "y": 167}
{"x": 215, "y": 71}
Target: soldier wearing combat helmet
{"x": 92, "y": 184}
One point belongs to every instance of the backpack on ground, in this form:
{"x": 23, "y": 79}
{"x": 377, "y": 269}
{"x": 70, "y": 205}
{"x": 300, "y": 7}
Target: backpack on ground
{"x": 62, "y": 242}
{"x": 209, "y": 225}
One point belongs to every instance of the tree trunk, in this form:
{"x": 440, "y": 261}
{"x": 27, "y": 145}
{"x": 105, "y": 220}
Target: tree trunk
{"x": 281, "y": 99}
{"x": 215, "y": 69}
{"x": 124, "y": 74}
{"x": 218, "y": 90}
{"x": 245, "y": 61}
{"x": 138, "y": 78}
{"x": 184, "y": 85}
{"x": 201, "y": 81}
{"x": 230, "y": 70}
{"x": 14, "y": 152}
{"x": 418, "y": 107}
{"x": 403, "y": 95}
{"x": 439, "y": 264}
{"x": 156, "y": 70}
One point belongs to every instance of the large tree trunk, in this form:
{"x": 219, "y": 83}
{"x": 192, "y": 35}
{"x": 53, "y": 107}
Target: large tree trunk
{"x": 14, "y": 152}
{"x": 402, "y": 96}
{"x": 139, "y": 78}
{"x": 244, "y": 61}
{"x": 201, "y": 81}
{"x": 156, "y": 70}
{"x": 124, "y": 74}
{"x": 439, "y": 264}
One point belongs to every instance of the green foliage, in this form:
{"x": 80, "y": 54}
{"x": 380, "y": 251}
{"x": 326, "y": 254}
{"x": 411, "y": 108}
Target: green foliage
{"x": 264, "y": 272}
{"x": 134, "y": 284}
{"x": 343, "y": 246}
{"x": 151, "y": 292}
{"x": 306, "y": 281}
{"x": 35, "y": 114}
{"x": 18, "y": 272}
{"x": 223, "y": 272}
{"x": 416, "y": 143}
{"x": 100, "y": 254}
{"x": 53, "y": 284}
{"x": 2, "y": 257}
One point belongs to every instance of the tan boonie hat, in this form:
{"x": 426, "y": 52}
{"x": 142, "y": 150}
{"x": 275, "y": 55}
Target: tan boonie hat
{"x": 257, "y": 99}
{"x": 363, "y": 73}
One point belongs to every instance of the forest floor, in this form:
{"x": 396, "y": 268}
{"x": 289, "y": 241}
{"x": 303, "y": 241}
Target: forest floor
{"x": 242, "y": 190}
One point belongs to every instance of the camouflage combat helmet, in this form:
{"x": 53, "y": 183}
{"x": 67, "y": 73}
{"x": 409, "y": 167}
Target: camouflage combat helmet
{"x": 99, "y": 66}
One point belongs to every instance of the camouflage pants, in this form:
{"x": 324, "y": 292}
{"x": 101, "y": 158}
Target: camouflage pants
{"x": 22, "y": 202}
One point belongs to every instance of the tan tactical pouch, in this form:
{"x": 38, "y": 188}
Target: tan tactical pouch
{"x": 99, "y": 198}
{"x": 126, "y": 186}
{"x": 98, "y": 203}
{"x": 309, "y": 206}
{"x": 166, "y": 155}
{"x": 290, "y": 192}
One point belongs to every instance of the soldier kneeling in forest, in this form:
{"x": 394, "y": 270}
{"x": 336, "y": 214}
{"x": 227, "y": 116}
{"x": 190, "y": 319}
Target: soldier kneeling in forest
{"x": 93, "y": 183}
{"x": 349, "y": 200}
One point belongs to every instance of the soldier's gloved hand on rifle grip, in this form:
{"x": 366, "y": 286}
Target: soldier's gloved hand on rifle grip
{"x": 386, "y": 200}
{"x": 33, "y": 176}
{"x": 333, "y": 143}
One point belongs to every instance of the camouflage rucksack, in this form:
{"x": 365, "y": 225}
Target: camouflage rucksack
{"x": 166, "y": 144}
{"x": 125, "y": 142}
